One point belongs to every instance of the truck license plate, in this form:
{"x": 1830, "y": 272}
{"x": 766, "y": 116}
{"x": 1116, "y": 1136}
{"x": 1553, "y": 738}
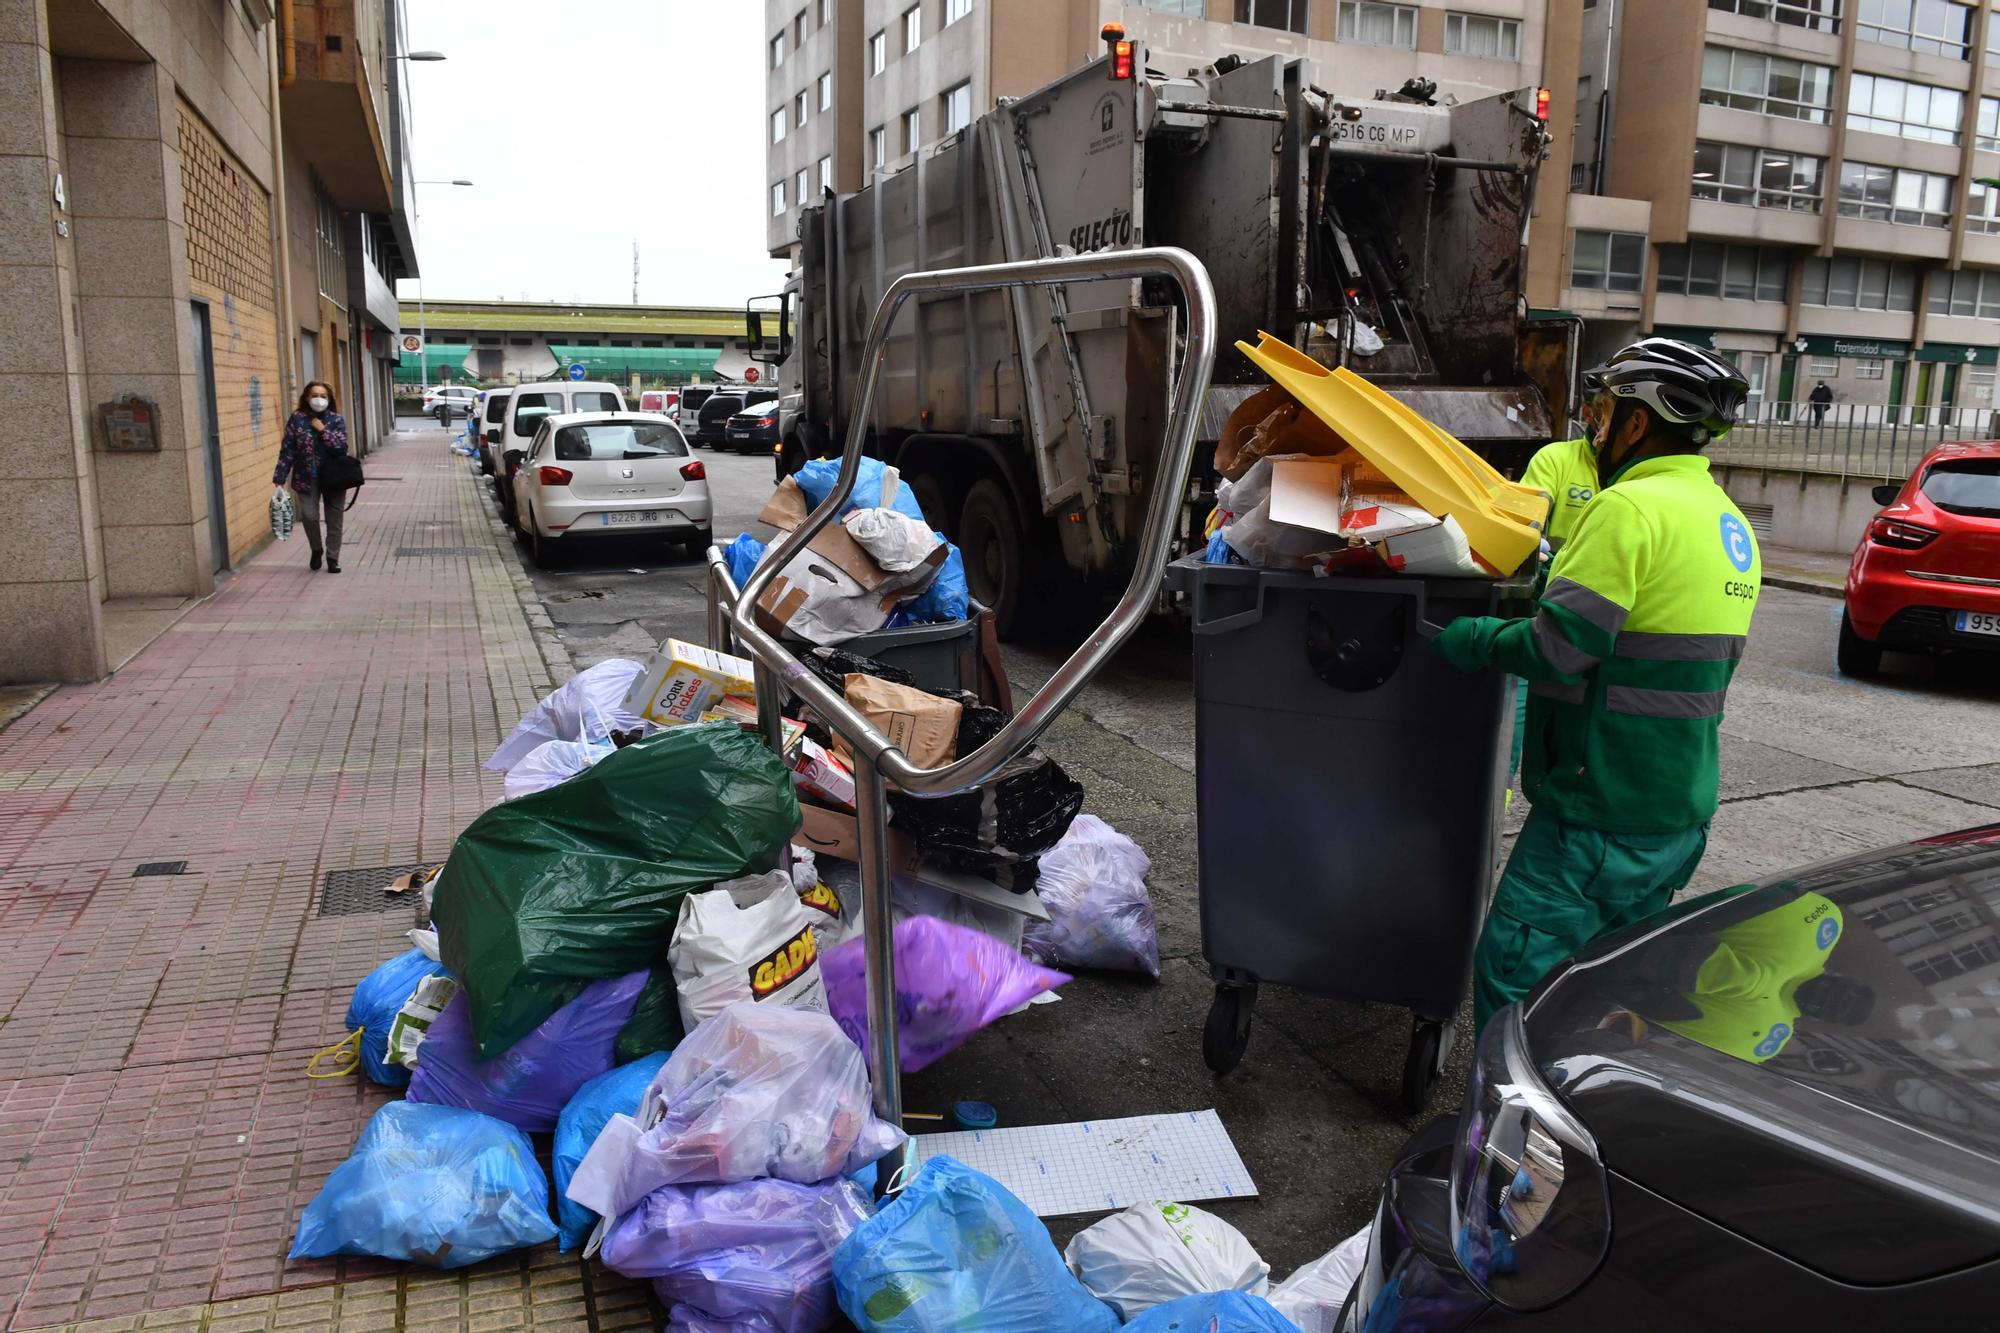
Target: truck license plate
{"x": 633, "y": 516}
{"x": 1979, "y": 622}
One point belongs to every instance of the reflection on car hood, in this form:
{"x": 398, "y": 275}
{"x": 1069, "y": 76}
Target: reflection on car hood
{"x": 1813, "y": 1060}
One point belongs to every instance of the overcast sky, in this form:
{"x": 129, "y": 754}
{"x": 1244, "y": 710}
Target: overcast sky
{"x": 585, "y": 126}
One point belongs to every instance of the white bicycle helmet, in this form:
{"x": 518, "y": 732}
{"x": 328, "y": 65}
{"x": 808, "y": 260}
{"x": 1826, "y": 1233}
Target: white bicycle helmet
{"x": 1679, "y": 382}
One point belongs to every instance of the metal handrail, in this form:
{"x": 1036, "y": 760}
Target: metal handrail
{"x": 876, "y": 759}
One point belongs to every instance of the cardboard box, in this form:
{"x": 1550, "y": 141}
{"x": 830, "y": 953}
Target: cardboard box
{"x": 923, "y": 726}
{"x": 833, "y": 590}
{"x": 684, "y": 680}
{"x": 1339, "y": 496}
{"x": 826, "y": 832}
{"x": 823, "y": 775}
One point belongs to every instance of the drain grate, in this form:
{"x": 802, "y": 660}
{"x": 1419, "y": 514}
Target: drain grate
{"x": 149, "y": 869}
{"x": 410, "y": 552}
{"x": 353, "y": 892}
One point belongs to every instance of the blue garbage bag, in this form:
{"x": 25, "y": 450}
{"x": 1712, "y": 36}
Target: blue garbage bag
{"x": 529, "y": 1083}
{"x": 614, "y": 1092}
{"x": 946, "y": 599}
{"x": 817, "y": 477}
{"x": 1214, "y": 1312}
{"x": 376, "y": 1001}
{"x": 956, "y": 1250}
{"x": 743, "y": 556}
{"x": 436, "y": 1185}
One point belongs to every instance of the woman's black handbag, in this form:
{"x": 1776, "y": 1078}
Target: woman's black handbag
{"x": 341, "y": 472}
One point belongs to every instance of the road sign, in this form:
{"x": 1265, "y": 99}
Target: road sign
{"x": 750, "y": 375}
{"x": 576, "y": 370}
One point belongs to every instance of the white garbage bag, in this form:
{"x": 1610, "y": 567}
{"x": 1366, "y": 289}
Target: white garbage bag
{"x": 588, "y": 706}
{"x": 1312, "y": 1296}
{"x": 552, "y": 762}
{"x": 897, "y": 542}
{"x": 746, "y": 939}
{"x": 1094, "y": 884}
{"x": 1153, "y": 1253}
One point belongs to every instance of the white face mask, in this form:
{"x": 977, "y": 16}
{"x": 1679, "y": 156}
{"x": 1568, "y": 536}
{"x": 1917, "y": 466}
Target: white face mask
{"x": 316, "y": 404}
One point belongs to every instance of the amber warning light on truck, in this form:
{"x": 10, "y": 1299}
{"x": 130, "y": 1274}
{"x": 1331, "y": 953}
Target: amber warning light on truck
{"x": 1119, "y": 50}
{"x": 1541, "y": 104}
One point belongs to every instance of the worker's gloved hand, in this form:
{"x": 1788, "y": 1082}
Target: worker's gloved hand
{"x": 1462, "y": 644}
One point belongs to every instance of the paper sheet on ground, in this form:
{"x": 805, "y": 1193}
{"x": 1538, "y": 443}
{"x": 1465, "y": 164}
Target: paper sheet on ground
{"x": 1092, "y": 1165}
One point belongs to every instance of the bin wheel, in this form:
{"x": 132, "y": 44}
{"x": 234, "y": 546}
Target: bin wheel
{"x": 1430, "y": 1043}
{"x": 1227, "y": 1032}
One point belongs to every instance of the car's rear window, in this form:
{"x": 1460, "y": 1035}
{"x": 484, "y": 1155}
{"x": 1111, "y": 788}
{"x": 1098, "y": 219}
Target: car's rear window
{"x": 595, "y": 400}
{"x": 619, "y": 439}
{"x": 721, "y": 405}
{"x": 694, "y": 397}
{"x": 1965, "y": 486}
{"x": 496, "y": 408}
{"x": 530, "y": 408}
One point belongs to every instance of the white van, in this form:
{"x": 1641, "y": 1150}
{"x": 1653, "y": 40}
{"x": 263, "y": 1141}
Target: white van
{"x": 526, "y": 408}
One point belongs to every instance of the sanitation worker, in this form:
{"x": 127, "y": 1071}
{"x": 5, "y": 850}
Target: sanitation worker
{"x": 1567, "y": 470}
{"x": 1628, "y": 658}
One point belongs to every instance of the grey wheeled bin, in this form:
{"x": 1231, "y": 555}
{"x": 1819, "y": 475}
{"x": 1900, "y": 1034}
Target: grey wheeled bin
{"x": 1348, "y": 785}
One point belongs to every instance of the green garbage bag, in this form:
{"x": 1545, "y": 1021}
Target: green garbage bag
{"x": 549, "y": 892}
{"x": 655, "y": 1024}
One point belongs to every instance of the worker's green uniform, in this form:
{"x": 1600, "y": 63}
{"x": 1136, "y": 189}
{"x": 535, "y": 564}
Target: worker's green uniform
{"x": 1629, "y": 657}
{"x": 1567, "y": 470}
{"x": 1744, "y": 992}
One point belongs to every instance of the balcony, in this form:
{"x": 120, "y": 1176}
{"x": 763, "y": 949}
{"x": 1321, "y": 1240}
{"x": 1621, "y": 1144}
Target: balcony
{"x": 334, "y": 97}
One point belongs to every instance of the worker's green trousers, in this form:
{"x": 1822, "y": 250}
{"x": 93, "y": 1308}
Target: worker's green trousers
{"x": 1565, "y": 885}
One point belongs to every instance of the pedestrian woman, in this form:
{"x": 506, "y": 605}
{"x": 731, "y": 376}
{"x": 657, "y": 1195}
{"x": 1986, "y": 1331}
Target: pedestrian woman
{"x": 315, "y": 429}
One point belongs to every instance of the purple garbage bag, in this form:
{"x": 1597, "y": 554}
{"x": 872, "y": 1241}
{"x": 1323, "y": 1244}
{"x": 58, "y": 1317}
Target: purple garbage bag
{"x": 529, "y": 1083}
{"x": 950, "y": 982}
{"x": 1094, "y": 885}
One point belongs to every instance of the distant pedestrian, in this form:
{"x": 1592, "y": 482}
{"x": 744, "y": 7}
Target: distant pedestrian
{"x": 315, "y": 430}
{"x": 1821, "y": 398}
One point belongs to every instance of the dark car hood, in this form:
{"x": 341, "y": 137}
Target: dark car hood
{"x": 1813, "y": 1061}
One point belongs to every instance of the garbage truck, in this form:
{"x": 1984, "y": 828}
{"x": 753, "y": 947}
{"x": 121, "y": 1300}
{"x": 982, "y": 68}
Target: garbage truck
{"x": 1386, "y": 233}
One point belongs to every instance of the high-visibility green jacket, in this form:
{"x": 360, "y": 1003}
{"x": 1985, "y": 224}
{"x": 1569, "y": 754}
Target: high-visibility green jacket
{"x": 1744, "y": 991}
{"x": 1567, "y": 470}
{"x": 1631, "y": 650}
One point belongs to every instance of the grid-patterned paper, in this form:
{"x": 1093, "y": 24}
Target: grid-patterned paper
{"x": 1092, "y": 1165}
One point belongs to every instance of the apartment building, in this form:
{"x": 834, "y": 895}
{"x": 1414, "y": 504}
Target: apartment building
{"x": 1804, "y": 185}
{"x": 923, "y": 69}
{"x": 148, "y": 292}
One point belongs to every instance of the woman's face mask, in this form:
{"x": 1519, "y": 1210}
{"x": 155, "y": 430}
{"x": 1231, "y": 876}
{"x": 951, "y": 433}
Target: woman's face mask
{"x": 316, "y": 404}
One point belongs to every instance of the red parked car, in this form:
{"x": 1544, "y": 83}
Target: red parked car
{"x": 1926, "y": 576}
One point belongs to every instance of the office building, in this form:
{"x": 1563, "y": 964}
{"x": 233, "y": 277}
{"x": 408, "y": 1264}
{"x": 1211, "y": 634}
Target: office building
{"x": 1797, "y": 183}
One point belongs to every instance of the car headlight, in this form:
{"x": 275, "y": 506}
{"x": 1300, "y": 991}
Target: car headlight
{"x": 1530, "y": 1219}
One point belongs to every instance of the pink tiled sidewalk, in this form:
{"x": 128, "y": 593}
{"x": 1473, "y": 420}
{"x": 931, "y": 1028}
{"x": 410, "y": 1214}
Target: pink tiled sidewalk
{"x": 158, "y": 1135}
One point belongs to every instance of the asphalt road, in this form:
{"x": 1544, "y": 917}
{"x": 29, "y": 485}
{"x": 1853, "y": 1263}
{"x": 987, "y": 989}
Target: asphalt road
{"x": 1814, "y": 765}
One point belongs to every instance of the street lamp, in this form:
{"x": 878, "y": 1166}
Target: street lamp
{"x": 423, "y": 335}
{"x": 425, "y": 56}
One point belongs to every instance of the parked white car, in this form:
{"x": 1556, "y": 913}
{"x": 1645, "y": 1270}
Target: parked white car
{"x": 445, "y": 401}
{"x": 600, "y": 474}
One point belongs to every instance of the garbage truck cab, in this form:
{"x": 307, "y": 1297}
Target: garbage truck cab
{"x": 1383, "y": 232}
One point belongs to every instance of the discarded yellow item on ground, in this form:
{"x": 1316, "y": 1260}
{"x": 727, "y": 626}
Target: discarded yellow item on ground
{"x": 1502, "y": 520}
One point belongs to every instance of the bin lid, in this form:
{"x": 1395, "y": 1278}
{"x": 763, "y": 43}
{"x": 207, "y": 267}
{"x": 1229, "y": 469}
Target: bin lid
{"x": 1502, "y": 520}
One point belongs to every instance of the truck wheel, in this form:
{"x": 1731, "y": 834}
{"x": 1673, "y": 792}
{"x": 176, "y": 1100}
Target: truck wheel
{"x": 989, "y": 536}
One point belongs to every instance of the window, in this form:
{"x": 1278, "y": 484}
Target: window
{"x": 1194, "y": 9}
{"x": 878, "y": 53}
{"x": 913, "y": 130}
{"x": 778, "y": 199}
{"x": 1981, "y": 383}
{"x": 1868, "y": 368}
{"x": 825, "y": 174}
{"x": 799, "y": 31}
{"x": 1963, "y": 486}
{"x": 1768, "y": 85}
{"x": 1988, "y": 136}
{"x": 1819, "y": 15}
{"x": 778, "y": 125}
{"x": 1733, "y": 272}
{"x": 1764, "y": 177}
{"x": 530, "y": 408}
{"x": 1364, "y": 22}
{"x": 1583, "y": 86}
{"x": 1894, "y": 194}
{"x": 1482, "y": 36}
{"x": 1982, "y": 208}
{"x": 596, "y": 400}
{"x": 1970, "y": 292}
{"x": 617, "y": 440}
{"x": 825, "y": 91}
{"x": 957, "y": 106}
{"x": 1849, "y": 282}
{"x": 801, "y": 187}
{"x": 913, "y": 28}
{"x": 1908, "y": 110}
{"x": 878, "y": 147}
{"x": 825, "y": 9}
{"x": 1820, "y": 367}
{"x": 1608, "y": 261}
{"x": 954, "y": 10}
{"x": 1935, "y": 27}
{"x": 1289, "y": 15}
{"x": 799, "y": 108}
{"x": 777, "y": 50}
